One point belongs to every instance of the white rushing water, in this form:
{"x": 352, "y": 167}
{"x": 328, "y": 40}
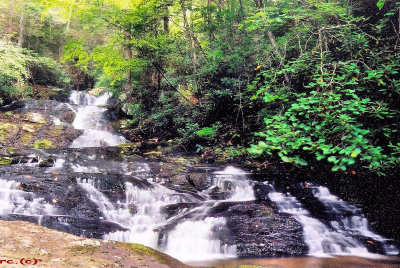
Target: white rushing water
{"x": 195, "y": 238}
{"x": 15, "y": 201}
{"x": 354, "y": 222}
{"x": 90, "y": 118}
{"x": 336, "y": 239}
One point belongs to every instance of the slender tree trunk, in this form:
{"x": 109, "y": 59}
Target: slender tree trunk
{"x": 189, "y": 35}
{"x": 21, "y": 29}
{"x": 209, "y": 19}
{"x": 271, "y": 39}
{"x": 127, "y": 51}
{"x": 277, "y": 53}
{"x": 10, "y": 28}
{"x": 166, "y": 20}
{"x": 193, "y": 42}
{"x": 69, "y": 19}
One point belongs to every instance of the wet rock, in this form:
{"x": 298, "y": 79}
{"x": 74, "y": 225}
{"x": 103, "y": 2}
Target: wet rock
{"x": 258, "y": 231}
{"x": 174, "y": 209}
{"x": 48, "y": 162}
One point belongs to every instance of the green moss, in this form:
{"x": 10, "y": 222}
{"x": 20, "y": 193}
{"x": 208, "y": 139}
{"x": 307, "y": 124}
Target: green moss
{"x": 43, "y": 144}
{"x": 10, "y": 150}
{"x": 56, "y": 130}
{"x": 7, "y": 131}
{"x": 35, "y": 118}
{"x": 30, "y": 128}
{"x": 267, "y": 212}
{"x": 179, "y": 170}
{"x": 83, "y": 250}
{"x": 5, "y": 161}
{"x": 144, "y": 251}
{"x": 153, "y": 153}
{"x": 127, "y": 145}
{"x": 27, "y": 139}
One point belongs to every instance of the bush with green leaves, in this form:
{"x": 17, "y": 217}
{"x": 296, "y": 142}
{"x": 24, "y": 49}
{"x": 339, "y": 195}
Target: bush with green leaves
{"x": 344, "y": 109}
{"x": 19, "y": 66}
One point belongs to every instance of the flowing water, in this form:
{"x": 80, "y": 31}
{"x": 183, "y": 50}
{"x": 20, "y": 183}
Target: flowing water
{"x": 341, "y": 235}
{"x": 123, "y": 200}
{"x": 90, "y": 118}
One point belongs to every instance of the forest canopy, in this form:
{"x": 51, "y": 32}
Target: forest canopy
{"x": 300, "y": 81}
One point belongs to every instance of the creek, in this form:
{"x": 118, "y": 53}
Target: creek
{"x": 193, "y": 213}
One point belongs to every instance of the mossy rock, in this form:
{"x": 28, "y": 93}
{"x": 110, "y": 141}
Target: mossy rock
{"x": 146, "y": 251}
{"x": 26, "y": 139}
{"x": 129, "y": 148}
{"x": 97, "y": 91}
{"x": 5, "y": 161}
{"x": 49, "y": 162}
{"x": 10, "y": 150}
{"x": 68, "y": 117}
{"x": 35, "y": 118}
{"x": 43, "y": 144}
{"x": 7, "y": 131}
{"x": 153, "y": 154}
{"x": 83, "y": 250}
{"x": 30, "y": 128}
{"x": 56, "y": 130}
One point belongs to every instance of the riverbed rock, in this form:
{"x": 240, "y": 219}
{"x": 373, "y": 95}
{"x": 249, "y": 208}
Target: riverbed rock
{"x": 258, "y": 230}
{"x": 28, "y": 243}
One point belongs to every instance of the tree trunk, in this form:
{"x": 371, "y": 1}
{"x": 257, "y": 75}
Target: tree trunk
{"x": 127, "y": 51}
{"x": 10, "y": 28}
{"x": 69, "y": 19}
{"x": 209, "y": 19}
{"x": 21, "y": 29}
{"x": 277, "y": 53}
{"x": 166, "y": 20}
{"x": 271, "y": 39}
{"x": 189, "y": 35}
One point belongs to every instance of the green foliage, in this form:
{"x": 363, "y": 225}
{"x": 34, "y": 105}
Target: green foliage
{"x": 315, "y": 80}
{"x": 207, "y": 132}
{"x": 342, "y": 113}
{"x": 19, "y": 66}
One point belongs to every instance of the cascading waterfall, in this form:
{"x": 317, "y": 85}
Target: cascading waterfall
{"x": 195, "y": 239}
{"x": 192, "y": 239}
{"x": 324, "y": 240}
{"x": 90, "y": 118}
{"x": 150, "y": 211}
{"x": 118, "y": 213}
{"x": 15, "y": 201}
{"x": 356, "y": 223}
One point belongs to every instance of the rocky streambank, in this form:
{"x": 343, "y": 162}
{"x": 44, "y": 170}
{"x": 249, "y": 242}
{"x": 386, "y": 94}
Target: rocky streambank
{"x": 31, "y": 245}
{"x": 39, "y": 124}
{"x": 255, "y": 227}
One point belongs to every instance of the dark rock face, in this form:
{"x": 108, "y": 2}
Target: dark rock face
{"x": 258, "y": 231}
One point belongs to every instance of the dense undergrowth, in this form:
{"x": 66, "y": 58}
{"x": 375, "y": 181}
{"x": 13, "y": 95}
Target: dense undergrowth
{"x": 292, "y": 81}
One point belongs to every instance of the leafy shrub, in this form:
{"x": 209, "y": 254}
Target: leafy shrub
{"x": 207, "y": 133}
{"x": 18, "y": 66}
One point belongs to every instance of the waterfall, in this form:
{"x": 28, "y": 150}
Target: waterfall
{"x": 195, "y": 238}
{"x": 90, "y": 118}
{"x": 15, "y": 201}
{"x": 338, "y": 237}
{"x": 349, "y": 219}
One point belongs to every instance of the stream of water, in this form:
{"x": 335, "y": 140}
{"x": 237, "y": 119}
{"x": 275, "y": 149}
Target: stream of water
{"x": 193, "y": 232}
